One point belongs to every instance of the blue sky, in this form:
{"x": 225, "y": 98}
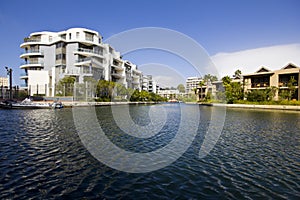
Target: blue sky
{"x": 219, "y": 26}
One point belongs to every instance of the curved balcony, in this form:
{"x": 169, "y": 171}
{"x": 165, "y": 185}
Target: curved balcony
{"x": 135, "y": 77}
{"x": 118, "y": 68}
{"x": 116, "y": 74}
{"x": 30, "y": 53}
{"x": 23, "y": 76}
{"x": 137, "y": 71}
{"x": 83, "y": 62}
{"x": 89, "y": 41}
{"x": 32, "y": 65}
{"x": 89, "y": 52}
{"x": 29, "y": 42}
{"x": 135, "y": 82}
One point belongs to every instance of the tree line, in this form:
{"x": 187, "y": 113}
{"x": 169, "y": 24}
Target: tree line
{"x": 103, "y": 90}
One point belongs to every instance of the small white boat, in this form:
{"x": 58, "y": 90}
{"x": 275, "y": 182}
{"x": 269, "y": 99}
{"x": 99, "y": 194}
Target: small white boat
{"x": 28, "y": 104}
{"x": 57, "y": 105}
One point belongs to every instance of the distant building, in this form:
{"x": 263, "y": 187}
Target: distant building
{"x": 192, "y": 83}
{"x": 148, "y": 84}
{"x": 3, "y": 81}
{"x": 169, "y": 94}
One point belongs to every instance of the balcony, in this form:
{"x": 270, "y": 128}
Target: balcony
{"x": 260, "y": 85}
{"x": 89, "y": 52}
{"x": 83, "y": 62}
{"x": 137, "y": 71}
{"x": 29, "y": 53}
{"x": 135, "y": 82}
{"x": 286, "y": 84}
{"x": 135, "y": 77}
{"x": 28, "y": 41}
{"x": 115, "y": 74}
{"x": 23, "y": 76}
{"x": 32, "y": 64}
{"x": 117, "y": 68}
{"x": 97, "y": 63}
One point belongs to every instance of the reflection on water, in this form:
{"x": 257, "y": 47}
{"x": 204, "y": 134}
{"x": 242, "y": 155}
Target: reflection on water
{"x": 257, "y": 156}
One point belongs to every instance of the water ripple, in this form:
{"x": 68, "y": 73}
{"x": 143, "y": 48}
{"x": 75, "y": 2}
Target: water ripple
{"x": 256, "y": 157}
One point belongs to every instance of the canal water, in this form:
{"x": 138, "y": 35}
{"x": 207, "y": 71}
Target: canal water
{"x": 43, "y": 155}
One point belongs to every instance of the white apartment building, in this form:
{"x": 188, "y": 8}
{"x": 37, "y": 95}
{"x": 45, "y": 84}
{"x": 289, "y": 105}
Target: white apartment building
{"x": 148, "y": 84}
{"x": 169, "y": 93}
{"x": 192, "y": 83}
{"x": 77, "y": 52}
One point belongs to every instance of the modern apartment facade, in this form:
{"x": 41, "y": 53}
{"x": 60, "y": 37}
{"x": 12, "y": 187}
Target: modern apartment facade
{"x": 77, "y": 52}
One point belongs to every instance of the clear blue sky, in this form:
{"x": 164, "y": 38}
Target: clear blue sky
{"x": 219, "y": 26}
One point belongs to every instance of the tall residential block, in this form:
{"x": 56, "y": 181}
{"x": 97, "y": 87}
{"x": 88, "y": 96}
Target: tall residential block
{"x": 78, "y": 52}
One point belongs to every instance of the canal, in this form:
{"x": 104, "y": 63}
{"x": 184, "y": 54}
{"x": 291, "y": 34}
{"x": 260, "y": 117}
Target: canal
{"x": 58, "y": 154}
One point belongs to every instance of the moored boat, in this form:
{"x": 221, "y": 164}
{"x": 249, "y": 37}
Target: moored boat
{"x": 28, "y": 104}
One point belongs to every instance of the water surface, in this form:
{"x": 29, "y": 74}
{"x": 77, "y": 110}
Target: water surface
{"x": 256, "y": 157}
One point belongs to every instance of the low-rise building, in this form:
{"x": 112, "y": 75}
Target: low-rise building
{"x": 169, "y": 93}
{"x": 265, "y": 78}
{"x": 192, "y": 83}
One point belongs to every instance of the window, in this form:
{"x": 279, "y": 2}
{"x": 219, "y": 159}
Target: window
{"x": 60, "y": 44}
{"x": 77, "y": 35}
{"x": 70, "y": 36}
{"x": 60, "y": 57}
{"x": 63, "y": 36}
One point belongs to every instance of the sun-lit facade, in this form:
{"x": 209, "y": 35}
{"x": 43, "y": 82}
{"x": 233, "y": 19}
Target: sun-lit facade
{"x": 76, "y": 52}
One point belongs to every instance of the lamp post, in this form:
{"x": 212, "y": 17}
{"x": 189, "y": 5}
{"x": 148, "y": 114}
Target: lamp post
{"x": 9, "y": 72}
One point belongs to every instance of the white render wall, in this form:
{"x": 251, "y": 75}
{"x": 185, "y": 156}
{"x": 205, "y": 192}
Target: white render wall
{"x": 38, "y": 82}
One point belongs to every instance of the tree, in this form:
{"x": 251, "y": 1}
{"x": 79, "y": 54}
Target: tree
{"x": 105, "y": 89}
{"x": 233, "y": 90}
{"x": 120, "y": 90}
{"x": 238, "y": 74}
{"x": 226, "y": 80}
{"x": 208, "y": 78}
{"x": 290, "y": 91}
{"x": 65, "y": 86}
{"x": 181, "y": 88}
{"x": 201, "y": 84}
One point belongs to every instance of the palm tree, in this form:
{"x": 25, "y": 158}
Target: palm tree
{"x": 201, "y": 84}
{"x": 238, "y": 74}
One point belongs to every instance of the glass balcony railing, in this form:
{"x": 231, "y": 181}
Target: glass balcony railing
{"x": 32, "y": 51}
{"x": 32, "y": 40}
{"x": 83, "y": 60}
{"x": 90, "y": 51}
{"x": 33, "y": 62}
